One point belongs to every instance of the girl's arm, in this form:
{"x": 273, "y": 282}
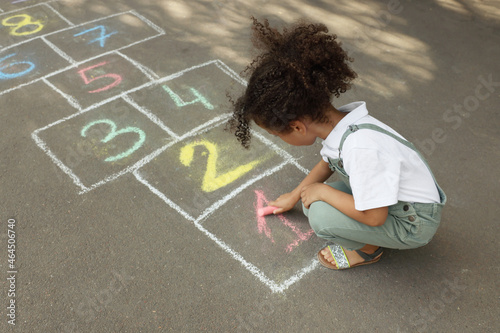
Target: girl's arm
{"x": 287, "y": 201}
{"x": 344, "y": 202}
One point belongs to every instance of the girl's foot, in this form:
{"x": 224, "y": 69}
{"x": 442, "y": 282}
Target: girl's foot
{"x": 346, "y": 259}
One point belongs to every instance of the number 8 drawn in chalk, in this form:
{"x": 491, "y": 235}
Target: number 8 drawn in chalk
{"x": 5, "y": 76}
{"x": 25, "y": 21}
{"x": 114, "y": 133}
{"x": 211, "y": 181}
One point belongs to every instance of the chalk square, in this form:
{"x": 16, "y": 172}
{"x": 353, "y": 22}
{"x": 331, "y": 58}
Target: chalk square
{"x": 199, "y": 172}
{"x": 188, "y": 99}
{"x": 100, "y": 79}
{"x": 100, "y": 145}
{"x": 28, "y": 23}
{"x": 103, "y": 35}
{"x": 281, "y": 245}
{"x": 28, "y": 62}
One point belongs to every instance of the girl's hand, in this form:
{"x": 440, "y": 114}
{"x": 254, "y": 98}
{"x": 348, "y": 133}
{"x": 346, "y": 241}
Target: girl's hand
{"x": 285, "y": 202}
{"x": 313, "y": 192}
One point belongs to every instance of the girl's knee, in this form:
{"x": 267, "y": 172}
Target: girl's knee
{"x": 320, "y": 216}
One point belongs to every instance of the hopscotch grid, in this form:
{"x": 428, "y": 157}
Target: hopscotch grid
{"x": 134, "y": 169}
{"x": 63, "y": 29}
{"x": 46, "y": 4}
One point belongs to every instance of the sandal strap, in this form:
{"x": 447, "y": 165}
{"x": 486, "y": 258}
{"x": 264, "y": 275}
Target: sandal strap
{"x": 339, "y": 256}
{"x": 369, "y": 257}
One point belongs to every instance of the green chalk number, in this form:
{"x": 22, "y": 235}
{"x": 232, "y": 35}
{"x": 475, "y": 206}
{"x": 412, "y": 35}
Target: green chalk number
{"x": 114, "y": 133}
{"x": 180, "y": 102}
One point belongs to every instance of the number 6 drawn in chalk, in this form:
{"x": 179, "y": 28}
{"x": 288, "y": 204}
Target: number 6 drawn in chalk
{"x": 4, "y": 76}
{"x": 116, "y": 77}
{"x": 114, "y": 133}
{"x": 211, "y": 181}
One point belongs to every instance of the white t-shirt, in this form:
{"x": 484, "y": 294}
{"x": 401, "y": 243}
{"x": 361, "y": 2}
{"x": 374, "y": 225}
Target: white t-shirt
{"x": 382, "y": 170}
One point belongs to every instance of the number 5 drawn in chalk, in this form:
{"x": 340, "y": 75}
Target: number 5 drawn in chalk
{"x": 180, "y": 103}
{"x": 5, "y": 76}
{"x": 114, "y": 133}
{"x": 212, "y": 181}
{"x": 117, "y": 78}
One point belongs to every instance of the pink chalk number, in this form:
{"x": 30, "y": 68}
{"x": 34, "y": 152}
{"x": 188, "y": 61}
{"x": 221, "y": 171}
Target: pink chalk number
{"x": 260, "y": 202}
{"x": 117, "y": 78}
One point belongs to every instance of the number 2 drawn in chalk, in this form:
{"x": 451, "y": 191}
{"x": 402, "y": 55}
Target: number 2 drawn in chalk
{"x": 102, "y": 35}
{"x": 180, "y": 102}
{"x": 114, "y": 133}
{"x": 212, "y": 181}
{"x": 264, "y": 228}
{"x": 117, "y": 78}
{"x": 19, "y": 24}
{"x": 5, "y": 76}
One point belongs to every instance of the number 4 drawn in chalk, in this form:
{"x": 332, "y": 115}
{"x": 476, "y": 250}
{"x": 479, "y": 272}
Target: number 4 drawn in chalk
{"x": 180, "y": 102}
{"x": 102, "y": 35}
{"x": 264, "y": 228}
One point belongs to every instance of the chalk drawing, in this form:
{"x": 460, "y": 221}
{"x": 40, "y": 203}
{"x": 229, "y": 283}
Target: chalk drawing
{"x": 20, "y": 22}
{"x": 117, "y": 78}
{"x": 180, "y": 103}
{"x": 102, "y": 35}
{"x": 114, "y": 133}
{"x": 5, "y": 76}
{"x": 212, "y": 182}
{"x": 262, "y": 226}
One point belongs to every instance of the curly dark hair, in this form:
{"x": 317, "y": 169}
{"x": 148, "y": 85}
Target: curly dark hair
{"x": 294, "y": 77}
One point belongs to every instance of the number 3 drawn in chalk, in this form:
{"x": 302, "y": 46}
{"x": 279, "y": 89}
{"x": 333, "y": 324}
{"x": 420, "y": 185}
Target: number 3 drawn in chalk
{"x": 5, "y": 76}
{"x": 211, "y": 181}
{"x": 117, "y": 78}
{"x": 114, "y": 133}
{"x": 21, "y": 21}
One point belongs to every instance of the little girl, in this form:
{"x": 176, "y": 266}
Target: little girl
{"x": 388, "y": 196}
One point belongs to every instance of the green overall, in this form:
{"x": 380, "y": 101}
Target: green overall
{"x": 408, "y": 225}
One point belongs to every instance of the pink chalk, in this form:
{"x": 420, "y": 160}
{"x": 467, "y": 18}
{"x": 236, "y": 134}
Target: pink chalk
{"x": 266, "y": 210}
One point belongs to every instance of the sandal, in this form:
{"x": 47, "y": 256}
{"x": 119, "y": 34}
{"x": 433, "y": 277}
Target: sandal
{"x": 341, "y": 260}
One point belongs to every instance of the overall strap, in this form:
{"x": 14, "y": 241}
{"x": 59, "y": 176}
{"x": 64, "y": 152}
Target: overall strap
{"x": 354, "y": 128}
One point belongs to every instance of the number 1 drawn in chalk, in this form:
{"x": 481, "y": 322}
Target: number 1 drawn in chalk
{"x": 212, "y": 181}
{"x": 114, "y": 133}
{"x": 5, "y": 76}
{"x": 102, "y": 35}
{"x": 262, "y": 226}
{"x": 180, "y": 103}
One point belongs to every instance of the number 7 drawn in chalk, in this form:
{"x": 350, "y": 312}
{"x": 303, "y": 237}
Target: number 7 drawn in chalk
{"x": 212, "y": 181}
{"x": 180, "y": 102}
{"x": 262, "y": 226}
{"x": 102, "y": 37}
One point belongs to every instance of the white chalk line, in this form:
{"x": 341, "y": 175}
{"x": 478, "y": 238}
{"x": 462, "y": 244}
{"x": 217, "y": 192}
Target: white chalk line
{"x": 148, "y": 22}
{"x": 27, "y": 7}
{"x": 43, "y": 146}
{"x": 226, "y": 69}
{"x": 162, "y": 196}
{"x": 73, "y": 102}
{"x": 150, "y": 116}
{"x": 58, "y": 51}
{"x": 59, "y": 14}
{"x": 152, "y": 76}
